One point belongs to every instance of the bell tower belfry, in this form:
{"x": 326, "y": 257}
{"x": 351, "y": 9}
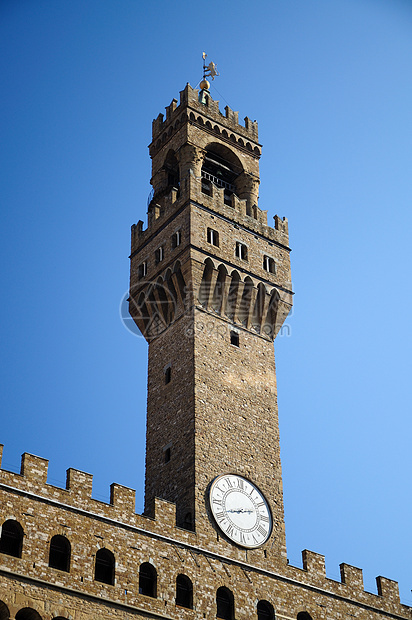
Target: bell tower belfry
{"x": 210, "y": 288}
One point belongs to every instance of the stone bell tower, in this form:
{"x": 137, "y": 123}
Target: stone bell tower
{"x": 210, "y": 289}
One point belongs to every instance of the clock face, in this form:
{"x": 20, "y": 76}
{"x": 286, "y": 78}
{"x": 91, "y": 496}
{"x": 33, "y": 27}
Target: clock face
{"x": 240, "y": 510}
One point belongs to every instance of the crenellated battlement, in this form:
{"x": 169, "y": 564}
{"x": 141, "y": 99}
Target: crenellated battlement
{"x": 193, "y": 110}
{"x": 254, "y": 218}
{"x": 77, "y": 495}
{"x": 27, "y": 495}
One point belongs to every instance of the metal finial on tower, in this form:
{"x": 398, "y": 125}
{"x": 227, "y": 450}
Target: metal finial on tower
{"x": 209, "y": 70}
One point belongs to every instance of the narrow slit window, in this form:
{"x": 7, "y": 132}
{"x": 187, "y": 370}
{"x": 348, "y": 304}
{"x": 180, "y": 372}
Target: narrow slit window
{"x": 168, "y": 374}
{"x": 159, "y": 254}
{"x": 142, "y": 270}
{"x": 167, "y": 455}
{"x": 176, "y": 239}
{"x": 213, "y": 237}
{"x": 234, "y": 338}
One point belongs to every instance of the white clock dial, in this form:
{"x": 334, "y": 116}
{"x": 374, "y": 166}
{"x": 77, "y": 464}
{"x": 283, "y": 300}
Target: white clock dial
{"x": 240, "y": 510}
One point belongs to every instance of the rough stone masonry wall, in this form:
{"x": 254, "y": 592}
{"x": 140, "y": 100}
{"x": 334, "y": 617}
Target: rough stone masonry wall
{"x": 44, "y": 510}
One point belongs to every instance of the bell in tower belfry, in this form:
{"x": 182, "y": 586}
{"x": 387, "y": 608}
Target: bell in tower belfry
{"x": 210, "y": 288}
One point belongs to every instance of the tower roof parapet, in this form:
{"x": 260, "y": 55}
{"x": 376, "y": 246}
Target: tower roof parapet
{"x": 189, "y": 100}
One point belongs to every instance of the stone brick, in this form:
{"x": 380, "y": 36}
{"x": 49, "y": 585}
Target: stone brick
{"x": 212, "y": 409}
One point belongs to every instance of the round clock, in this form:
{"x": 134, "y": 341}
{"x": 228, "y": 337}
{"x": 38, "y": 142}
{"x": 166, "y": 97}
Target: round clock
{"x": 240, "y": 510}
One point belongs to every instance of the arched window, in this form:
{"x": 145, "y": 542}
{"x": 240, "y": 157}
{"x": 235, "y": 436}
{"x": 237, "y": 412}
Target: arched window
{"x": 221, "y": 167}
{"x": 104, "y": 567}
{"x": 4, "y": 611}
{"x": 11, "y": 541}
{"x": 303, "y": 615}
{"x": 171, "y": 167}
{"x": 27, "y": 613}
{"x": 184, "y": 592}
{"x": 265, "y": 611}
{"x": 148, "y": 580}
{"x": 225, "y": 604}
{"x": 59, "y": 555}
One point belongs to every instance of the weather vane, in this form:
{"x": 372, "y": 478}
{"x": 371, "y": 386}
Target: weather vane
{"x": 209, "y": 71}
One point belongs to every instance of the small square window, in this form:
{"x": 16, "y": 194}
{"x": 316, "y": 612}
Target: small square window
{"x": 234, "y": 338}
{"x": 241, "y": 250}
{"x": 142, "y": 270}
{"x": 213, "y": 237}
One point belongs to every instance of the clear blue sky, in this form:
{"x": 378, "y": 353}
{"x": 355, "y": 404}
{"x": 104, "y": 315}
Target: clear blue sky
{"x": 330, "y": 83}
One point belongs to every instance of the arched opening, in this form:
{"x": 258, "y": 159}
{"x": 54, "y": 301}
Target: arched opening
{"x": 171, "y": 294}
{"x": 148, "y": 580}
{"x": 219, "y": 289}
{"x": 184, "y": 592}
{"x": 225, "y": 604}
{"x": 163, "y": 302}
{"x": 171, "y": 167}
{"x": 221, "y": 167}
{"x": 265, "y": 611}
{"x": 11, "y": 541}
{"x": 4, "y": 611}
{"x": 244, "y": 308}
{"x": 59, "y": 554}
{"x": 232, "y": 295}
{"x": 27, "y": 613}
{"x": 204, "y": 290}
{"x": 180, "y": 281}
{"x": 104, "y": 567}
{"x": 269, "y": 325}
{"x": 303, "y": 615}
{"x": 259, "y": 307}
